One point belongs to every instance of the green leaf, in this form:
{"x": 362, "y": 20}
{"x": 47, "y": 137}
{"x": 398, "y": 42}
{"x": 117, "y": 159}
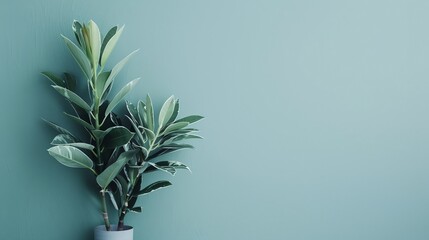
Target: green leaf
{"x": 190, "y": 119}
{"x": 175, "y": 112}
{"x": 166, "y": 112}
{"x": 95, "y": 42}
{"x": 80, "y": 121}
{"x": 149, "y": 114}
{"x": 106, "y": 39}
{"x": 141, "y": 110}
{"x": 140, "y": 139}
{"x": 136, "y": 209}
{"x": 116, "y": 69}
{"x": 132, "y": 110}
{"x": 101, "y": 82}
{"x": 80, "y": 57}
{"x": 113, "y": 200}
{"x": 116, "y": 136}
{"x": 176, "y": 146}
{"x": 77, "y": 29}
{"x": 175, "y": 126}
{"x": 73, "y": 97}
{"x": 153, "y": 187}
{"x": 107, "y": 176}
{"x": 124, "y": 187}
{"x": 54, "y": 79}
{"x": 166, "y": 166}
{"x": 121, "y": 94}
{"x": 71, "y": 157}
{"x": 70, "y": 81}
{"x": 109, "y": 44}
{"x": 67, "y": 140}
{"x": 59, "y": 129}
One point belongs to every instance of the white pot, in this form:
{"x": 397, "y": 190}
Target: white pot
{"x": 100, "y": 233}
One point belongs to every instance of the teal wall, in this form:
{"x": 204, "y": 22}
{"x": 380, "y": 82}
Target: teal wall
{"x": 317, "y": 117}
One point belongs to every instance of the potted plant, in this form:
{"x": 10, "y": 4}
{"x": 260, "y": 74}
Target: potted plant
{"x": 117, "y": 150}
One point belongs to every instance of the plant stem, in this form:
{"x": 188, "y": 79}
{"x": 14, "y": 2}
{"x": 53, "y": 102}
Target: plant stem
{"x": 104, "y": 210}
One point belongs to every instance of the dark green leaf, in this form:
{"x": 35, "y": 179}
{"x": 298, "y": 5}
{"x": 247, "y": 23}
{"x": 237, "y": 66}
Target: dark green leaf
{"x": 116, "y": 136}
{"x": 70, "y": 81}
{"x": 153, "y": 187}
{"x": 54, "y": 79}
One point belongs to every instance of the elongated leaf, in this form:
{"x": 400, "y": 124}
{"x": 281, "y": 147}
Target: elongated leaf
{"x": 176, "y": 146}
{"x": 95, "y": 40}
{"x": 121, "y": 94}
{"x": 101, "y": 82}
{"x": 73, "y": 97}
{"x": 190, "y": 119}
{"x": 175, "y": 126}
{"x": 166, "y": 112}
{"x": 153, "y": 187}
{"x": 59, "y": 129}
{"x": 80, "y": 57}
{"x": 77, "y": 29}
{"x": 140, "y": 138}
{"x": 124, "y": 186}
{"x": 110, "y": 45}
{"x": 116, "y": 69}
{"x": 116, "y": 136}
{"x": 106, "y": 39}
{"x": 175, "y": 112}
{"x": 80, "y": 121}
{"x": 107, "y": 176}
{"x": 70, "y": 81}
{"x": 67, "y": 140}
{"x": 141, "y": 110}
{"x": 132, "y": 110}
{"x": 149, "y": 114}
{"x": 166, "y": 166}
{"x": 136, "y": 209}
{"x": 54, "y": 79}
{"x": 113, "y": 200}
{"x": 71, "y": 157}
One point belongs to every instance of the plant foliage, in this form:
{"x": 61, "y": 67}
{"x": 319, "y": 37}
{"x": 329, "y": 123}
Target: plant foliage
{"x": 118, "y": 150}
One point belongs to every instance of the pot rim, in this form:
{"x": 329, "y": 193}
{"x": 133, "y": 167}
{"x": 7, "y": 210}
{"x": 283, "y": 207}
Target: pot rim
{"x": 102, "y": 228}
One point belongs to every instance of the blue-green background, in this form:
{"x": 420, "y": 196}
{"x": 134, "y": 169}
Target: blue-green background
{"x": 317, "y": 117}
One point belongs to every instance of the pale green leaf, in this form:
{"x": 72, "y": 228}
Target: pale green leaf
{"x": 95, "y": 41}
{"x": 150, "y": 114}
{"x": 175, "y": 126}
{"x": 121, "y": 94}
{"x": 73, "y": 97}
{"x": 67, "y": 140}
{"x": 80, "y": 57}
{"x": 112, "y": 171}
{"x": 116, "y": 69}
{"x": 110, "y": 45}
{"x": 166, "y": 112}
{"x": 80, "y": 121}
{"x": 71, "y": 157}
{"x": 190, "y": 119}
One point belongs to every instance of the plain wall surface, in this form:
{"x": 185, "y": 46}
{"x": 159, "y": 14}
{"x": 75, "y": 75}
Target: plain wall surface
{"x": 317, "y": 118}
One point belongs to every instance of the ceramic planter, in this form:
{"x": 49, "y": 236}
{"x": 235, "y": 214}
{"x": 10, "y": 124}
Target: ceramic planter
{"x": 100, "y": 233}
